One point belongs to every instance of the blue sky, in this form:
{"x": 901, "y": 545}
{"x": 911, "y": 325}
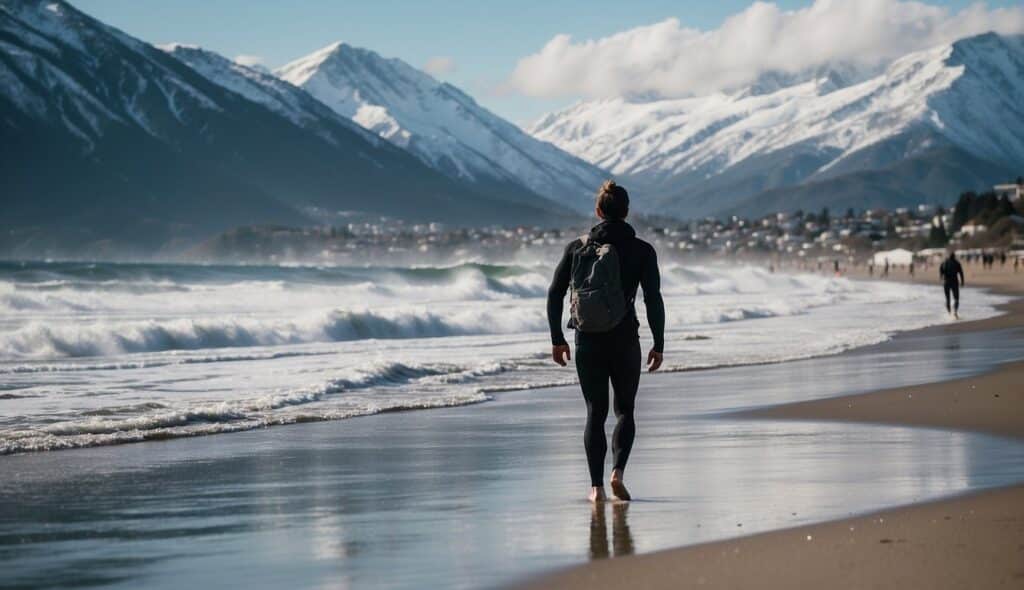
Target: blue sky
{"x": 483, "y": 39}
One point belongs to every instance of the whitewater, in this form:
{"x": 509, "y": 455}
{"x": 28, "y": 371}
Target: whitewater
{"x": 102, "y": 353}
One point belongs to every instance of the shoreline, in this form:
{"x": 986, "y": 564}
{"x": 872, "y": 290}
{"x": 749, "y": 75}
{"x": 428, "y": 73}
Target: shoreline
{"x": 357, "y": 504}
{"x": 159, "y": 434}
{"x": 967, "y": 540}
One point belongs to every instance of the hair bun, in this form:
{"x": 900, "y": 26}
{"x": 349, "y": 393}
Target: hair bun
{"x": 612, "y": 201}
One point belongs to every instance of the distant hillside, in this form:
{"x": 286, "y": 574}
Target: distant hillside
{"x": 111, "y": 147}
{"x": 924, "y": 178}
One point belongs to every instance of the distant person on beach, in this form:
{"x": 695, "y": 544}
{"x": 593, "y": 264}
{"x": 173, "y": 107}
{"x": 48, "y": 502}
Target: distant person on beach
{"x": 604, "y": 268}
{"x": 952, "y": 275}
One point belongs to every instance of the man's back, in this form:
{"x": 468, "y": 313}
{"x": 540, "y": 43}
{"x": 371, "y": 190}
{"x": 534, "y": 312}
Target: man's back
{"x": 638, "y": 267}
{"x": 951, "y": 271}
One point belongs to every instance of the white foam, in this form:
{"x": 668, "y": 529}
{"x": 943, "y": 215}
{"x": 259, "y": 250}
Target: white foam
{"x": 103, "y": 354}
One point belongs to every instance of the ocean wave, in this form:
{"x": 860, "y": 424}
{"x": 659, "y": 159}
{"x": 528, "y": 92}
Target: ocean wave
{"x": 46, "y": 340}
{"x": 149, "y": 420}
{"x": 154, "y": 363}
{"x": 200, "y": 423}
{"x": 113, "y": 298}
{"x": 191, "y": 424}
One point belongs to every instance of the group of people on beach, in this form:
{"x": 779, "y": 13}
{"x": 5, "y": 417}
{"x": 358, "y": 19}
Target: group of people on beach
{"x": 602, "y": 271}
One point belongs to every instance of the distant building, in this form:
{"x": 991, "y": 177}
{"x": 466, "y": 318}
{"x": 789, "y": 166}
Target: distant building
{"x": 972, "y": 229}
{"x": 899, "y": 256}
{"x": 1013, "y": 191}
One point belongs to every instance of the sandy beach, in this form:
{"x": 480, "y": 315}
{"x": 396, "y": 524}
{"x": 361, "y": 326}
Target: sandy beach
{"x": 493, "y": 494}
{"x": 970, "y": 541}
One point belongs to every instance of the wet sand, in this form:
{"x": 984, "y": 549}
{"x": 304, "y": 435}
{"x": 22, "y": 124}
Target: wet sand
{"x": 970, "y": 541}
{"x": 993, "y": 403}
{"x": 975, "y": 541}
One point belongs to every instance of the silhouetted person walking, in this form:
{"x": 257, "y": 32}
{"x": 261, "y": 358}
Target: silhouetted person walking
{"x": 604, "y": 269}
{"x": 952, "y": 275}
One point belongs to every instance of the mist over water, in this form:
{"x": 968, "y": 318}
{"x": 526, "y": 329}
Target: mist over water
{"x": 105, "y": 353}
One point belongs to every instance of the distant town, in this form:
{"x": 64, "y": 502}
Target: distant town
{"x": 989, "y": 223}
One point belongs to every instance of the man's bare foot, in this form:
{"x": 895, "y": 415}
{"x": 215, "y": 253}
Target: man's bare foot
{"x": 597, "y": 494}
{"x": 619, "y": 491}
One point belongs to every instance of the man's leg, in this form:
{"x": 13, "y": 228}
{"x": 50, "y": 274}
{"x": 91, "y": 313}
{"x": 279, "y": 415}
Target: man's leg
{"x": 592, "y": 369}
{"x": 956, "y": 299}
{"x": 947, "y": 289}
{"x": 625, "y": 378}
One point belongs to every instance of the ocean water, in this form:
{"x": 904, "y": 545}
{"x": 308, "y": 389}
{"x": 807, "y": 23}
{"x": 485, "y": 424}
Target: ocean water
{"x": 97, "y": 353}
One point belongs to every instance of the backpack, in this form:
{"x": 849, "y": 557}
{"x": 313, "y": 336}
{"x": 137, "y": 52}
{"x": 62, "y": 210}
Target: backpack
{"x": 596, "y": 300}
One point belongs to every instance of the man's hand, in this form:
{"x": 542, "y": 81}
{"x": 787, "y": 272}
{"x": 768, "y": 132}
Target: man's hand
{"x": 560, "y": 353}
{"x": 654, "y": 359}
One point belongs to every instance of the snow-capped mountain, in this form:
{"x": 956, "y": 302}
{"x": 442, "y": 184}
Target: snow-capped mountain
{"x": 261, "y": 86}
{"x": 958, "y": 109}
{"x": 439, "y": 123}
{"x": 106, "y": 140}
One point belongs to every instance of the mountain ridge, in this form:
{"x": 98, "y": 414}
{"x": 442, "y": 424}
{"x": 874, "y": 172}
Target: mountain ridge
{"x": 444, "y": 126}
{"x": 151, "y": 154}
{"x": 683, "y": 153}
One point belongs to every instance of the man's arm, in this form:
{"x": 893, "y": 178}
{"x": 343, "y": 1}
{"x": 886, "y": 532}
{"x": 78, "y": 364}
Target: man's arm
{"x": 650, "y": 282}
{"x": 556, "y": 295}
{"x": 960, "y": 271}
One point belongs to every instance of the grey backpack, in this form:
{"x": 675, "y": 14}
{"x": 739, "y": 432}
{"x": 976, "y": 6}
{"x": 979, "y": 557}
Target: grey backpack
{"x": 596, "y": 300}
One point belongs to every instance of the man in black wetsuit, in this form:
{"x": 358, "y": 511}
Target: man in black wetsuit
{"x": 952, "y": 275}
{"x": 614, "y": 355}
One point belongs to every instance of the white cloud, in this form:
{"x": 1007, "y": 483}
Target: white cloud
{"x": 671, "y": 60}
{"x": 439, "y": 66}
{"x": 249, "y": 60}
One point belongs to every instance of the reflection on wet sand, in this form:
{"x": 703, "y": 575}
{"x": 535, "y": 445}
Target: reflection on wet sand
{"x": 281, "y": 506}
{"x": 622, "y": 538}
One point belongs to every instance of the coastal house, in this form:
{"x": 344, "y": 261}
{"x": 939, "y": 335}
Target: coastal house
{"x": 897, "y": 257}
{"x": 972, "y": 229}
{"x": 1012, "y": 191}
{"x": 932, "y": 254}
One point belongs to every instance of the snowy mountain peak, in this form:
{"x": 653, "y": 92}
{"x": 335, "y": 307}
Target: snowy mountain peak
{"x": 111, "y": 143}
{"x": 965, "y": 94}
{"x": 266, "y": 89}
{"x": 439, "y": 123}
{"x": 54, "y": 50}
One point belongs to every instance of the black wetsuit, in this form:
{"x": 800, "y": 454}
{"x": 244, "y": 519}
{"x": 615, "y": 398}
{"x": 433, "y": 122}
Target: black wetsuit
{"x": 952, "y": 275}
{"x": 614, "y": 355}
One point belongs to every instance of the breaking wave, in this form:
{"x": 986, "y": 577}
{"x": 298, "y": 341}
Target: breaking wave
{"x": 48, "y": 340}
{"x": 152, "y": 420}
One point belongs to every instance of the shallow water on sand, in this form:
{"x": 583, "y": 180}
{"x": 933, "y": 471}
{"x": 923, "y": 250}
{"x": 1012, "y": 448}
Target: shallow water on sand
{"x": 481, "y": 496}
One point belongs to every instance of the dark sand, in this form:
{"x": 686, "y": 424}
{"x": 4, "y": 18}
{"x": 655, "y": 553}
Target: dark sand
{"x": 971, "y": 541}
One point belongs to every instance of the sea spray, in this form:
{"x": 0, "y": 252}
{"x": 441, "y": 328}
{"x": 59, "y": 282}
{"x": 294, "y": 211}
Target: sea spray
{"x": 95, "y": 354}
